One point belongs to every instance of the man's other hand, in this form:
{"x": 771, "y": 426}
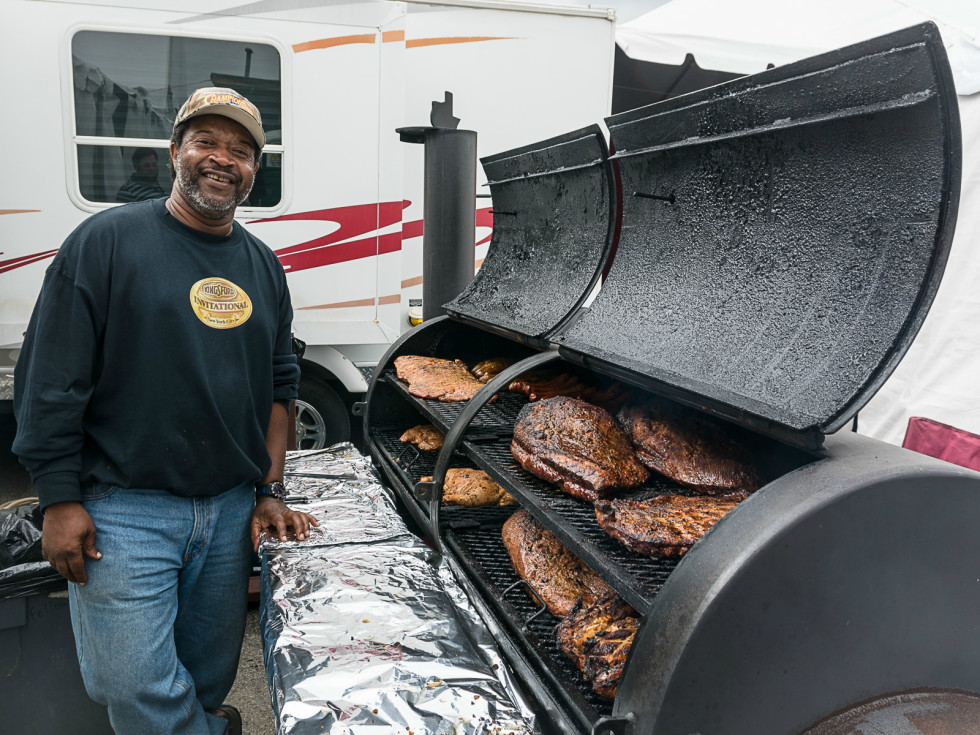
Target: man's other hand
{"x": 66, "y": 534}
{"x": 275, "y": 515}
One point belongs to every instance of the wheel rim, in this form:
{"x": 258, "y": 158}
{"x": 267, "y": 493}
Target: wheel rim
{"x": 311, "y": 429}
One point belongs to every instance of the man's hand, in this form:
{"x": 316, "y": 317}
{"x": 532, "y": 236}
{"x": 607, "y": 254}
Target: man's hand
{"x": 67, "y": 533}
{"x": 275, "y": 515}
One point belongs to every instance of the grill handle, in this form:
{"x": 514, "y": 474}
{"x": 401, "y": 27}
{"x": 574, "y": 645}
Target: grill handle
{"x": 542, "y": 607}
{"x": 466, "y": 416}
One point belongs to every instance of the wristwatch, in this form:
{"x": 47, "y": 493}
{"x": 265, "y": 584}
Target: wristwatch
{"x": 273, "y": 490}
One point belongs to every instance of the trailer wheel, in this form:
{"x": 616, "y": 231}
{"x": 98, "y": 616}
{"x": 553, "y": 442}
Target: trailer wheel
{"x": 321, "y": 416}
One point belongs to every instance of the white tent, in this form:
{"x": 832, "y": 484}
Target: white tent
{"x": 940, "y": 375}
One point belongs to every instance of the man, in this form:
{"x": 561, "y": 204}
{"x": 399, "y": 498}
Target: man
{"x": 142, "y": 183}
{"x": 151, "y": 401}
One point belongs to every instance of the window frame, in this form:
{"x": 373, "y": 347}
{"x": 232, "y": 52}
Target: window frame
{"x": 72, "y": 140}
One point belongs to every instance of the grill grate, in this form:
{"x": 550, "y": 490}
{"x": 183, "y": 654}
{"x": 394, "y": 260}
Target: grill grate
{"x": 496, "y": 417}
{"x": 636, "y": 577}
{"x": 411, "y": 465}
{"x": 482, "y": 552}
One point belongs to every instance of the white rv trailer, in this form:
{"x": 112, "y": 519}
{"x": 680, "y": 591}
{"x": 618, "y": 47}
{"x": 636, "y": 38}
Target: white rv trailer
{"x": 339, "y": 198}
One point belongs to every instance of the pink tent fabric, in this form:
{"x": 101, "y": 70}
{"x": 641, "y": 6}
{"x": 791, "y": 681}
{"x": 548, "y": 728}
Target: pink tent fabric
{"x": 943, "y": 442}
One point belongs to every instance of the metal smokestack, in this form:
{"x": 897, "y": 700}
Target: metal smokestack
{"x": 449, "y": 211}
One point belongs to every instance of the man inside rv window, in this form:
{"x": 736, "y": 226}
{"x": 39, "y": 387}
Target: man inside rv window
{"x": 142, "y": 183}
{"x": 152, "y": 414}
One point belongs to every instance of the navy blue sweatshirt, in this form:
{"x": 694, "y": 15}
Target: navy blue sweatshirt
{"x": 152, "y": 359}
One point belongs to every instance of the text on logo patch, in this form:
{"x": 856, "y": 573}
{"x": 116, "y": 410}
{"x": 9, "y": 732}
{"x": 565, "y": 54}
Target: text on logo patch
{"x": 219, "y": 303}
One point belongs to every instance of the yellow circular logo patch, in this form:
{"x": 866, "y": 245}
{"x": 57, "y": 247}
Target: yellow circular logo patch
{"x": 219, "y": 303}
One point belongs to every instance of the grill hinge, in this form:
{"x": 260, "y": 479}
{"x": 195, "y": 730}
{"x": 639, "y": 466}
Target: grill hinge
{"x": 622, "y": 725}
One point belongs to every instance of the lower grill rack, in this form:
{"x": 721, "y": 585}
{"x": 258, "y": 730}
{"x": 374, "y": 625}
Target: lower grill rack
{"x": 409, "y": 465}
{"x": 481, "y": 552}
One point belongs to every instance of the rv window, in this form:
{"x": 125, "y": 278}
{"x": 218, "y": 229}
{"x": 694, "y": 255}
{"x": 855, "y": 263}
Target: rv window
{"x": 129, "y": 85}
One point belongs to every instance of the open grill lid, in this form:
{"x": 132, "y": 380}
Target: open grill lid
{"x": 783, "y": 235}
{"x": 553, "y": 205}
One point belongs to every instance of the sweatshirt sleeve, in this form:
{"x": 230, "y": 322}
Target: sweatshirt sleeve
{"x": 54, "y": 380}
{"x": 285, "y": 367}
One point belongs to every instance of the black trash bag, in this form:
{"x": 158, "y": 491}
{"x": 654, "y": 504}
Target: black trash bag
{"x": 29, "y": 579}
{"x": 20, "y": 535}
{"x": 23, "y": 572}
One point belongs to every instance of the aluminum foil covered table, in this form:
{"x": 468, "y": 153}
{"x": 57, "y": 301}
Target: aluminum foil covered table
{"x": 364, "y": 628}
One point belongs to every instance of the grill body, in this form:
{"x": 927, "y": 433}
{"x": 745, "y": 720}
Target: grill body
{"x": 767, "y": 251}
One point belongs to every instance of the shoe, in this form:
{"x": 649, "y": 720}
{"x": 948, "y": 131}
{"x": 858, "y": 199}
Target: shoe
{"x": 233, "y": 716}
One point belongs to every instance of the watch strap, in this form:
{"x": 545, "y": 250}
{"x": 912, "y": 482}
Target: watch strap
{"x": 274, "y": 489}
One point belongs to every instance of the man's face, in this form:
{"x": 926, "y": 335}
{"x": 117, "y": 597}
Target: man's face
{"x": 215, "y": 165}
{"x": 147, "y": 168}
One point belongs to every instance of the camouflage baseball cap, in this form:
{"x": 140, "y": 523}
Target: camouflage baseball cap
{"x": 226, "y": 102}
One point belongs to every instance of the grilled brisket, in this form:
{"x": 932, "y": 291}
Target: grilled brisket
{"x": 661, "y": 525}
{"x": 551, "y": 570}
{"x": 690, "y": 449}
{"x": 425, "y": 436}
{"x": 577, "y": 445}
{"x": 472, "y": 488}
{"x": 432, "y": 377}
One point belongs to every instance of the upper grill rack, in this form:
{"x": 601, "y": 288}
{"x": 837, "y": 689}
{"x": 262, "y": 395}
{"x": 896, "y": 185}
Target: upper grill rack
{"x": 636, "y": 578}
{"x": 496, "y": 418}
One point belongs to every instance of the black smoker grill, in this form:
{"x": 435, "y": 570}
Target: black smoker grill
{"x": 768, "y": 249}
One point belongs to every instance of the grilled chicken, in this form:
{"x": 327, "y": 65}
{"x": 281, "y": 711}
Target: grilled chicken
{"x": 539, "y": 385}
{"x": 690, "y": 449}
{"x": 553, "y": 571}
{"x": 487, "y": 370}
{"x": 432, "y": 377}
{"x": 606, "y": 658}
{"x": 587, "y": 623}
{"x": 661, "y": 525}
{"x": 472, "y": 489}
{"x": 425, "y": 436}
{"x": 577, "y": 445}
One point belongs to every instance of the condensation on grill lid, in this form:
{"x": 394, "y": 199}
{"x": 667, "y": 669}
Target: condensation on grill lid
{"x": 553, "y": 225}
{"x": 783, "y": 235}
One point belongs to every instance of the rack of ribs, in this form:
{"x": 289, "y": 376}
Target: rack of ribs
{"x": 425, "y": 436}
{"x": 538, "y": 385}
{"x": 472, "y": 488}
{"x": 690, "y": 449}
{"x": 576, "y": 445}
{"x": 661, "y": 525}
{"x": 546, "y": 564}
{"x": 433, "y": 377}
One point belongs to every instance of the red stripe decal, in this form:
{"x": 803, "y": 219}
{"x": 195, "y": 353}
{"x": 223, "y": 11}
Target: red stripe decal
{"x": 9, "y": 265}
{"x": 359, "y": 219}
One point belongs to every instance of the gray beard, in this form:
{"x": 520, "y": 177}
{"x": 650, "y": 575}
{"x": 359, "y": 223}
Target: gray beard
{"x": 204, "y": 205}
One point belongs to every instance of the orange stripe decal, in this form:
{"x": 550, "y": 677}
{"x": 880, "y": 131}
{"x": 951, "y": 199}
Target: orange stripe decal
{"x": 18, "y": 211}
{"x": 331, "y": 42}
{"x": 392, "y": 299}
{"x": 418, "y": 42}
{"x": 412, "y": 282}
{"x": 339, "y": 305}
{"x": 391, "y": 37}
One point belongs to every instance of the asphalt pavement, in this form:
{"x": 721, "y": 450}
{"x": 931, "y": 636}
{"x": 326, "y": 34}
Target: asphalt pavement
{"x": 251, "y": 690}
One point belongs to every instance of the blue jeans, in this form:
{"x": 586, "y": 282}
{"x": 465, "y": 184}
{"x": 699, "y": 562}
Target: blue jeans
{"x": 159, "y": 625}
